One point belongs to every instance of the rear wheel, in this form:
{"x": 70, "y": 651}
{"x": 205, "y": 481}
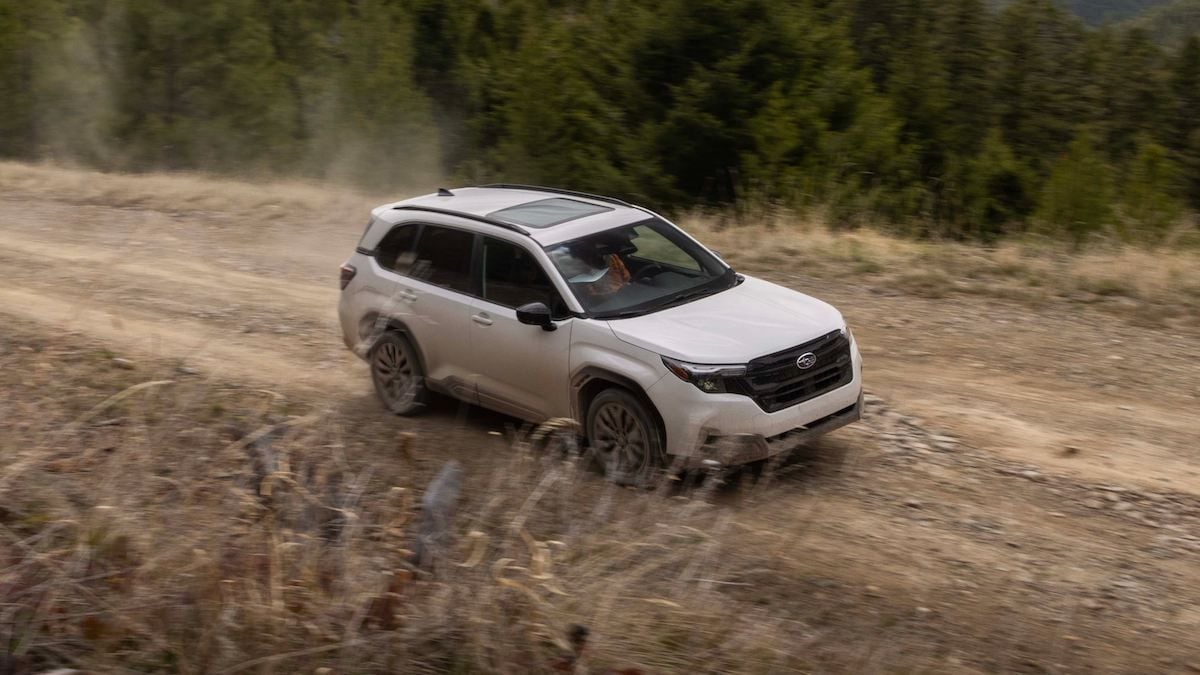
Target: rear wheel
{"x": 625, "y": 438}
{"x": 397, "y": 374}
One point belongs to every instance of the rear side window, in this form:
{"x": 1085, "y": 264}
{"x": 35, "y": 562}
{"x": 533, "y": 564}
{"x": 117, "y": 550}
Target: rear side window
{"x": 395, "y": 250}
{"x": 513, "y": 277}
{"x": 443, "y": 257}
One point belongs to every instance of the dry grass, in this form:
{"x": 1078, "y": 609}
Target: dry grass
{"x": 181, "y": 192}
{"x": 1165, "y": 282}
{"x": 137, "y": 533}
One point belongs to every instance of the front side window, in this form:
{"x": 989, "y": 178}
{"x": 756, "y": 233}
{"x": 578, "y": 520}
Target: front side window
{"x": 639, "y": 268}
{"x": 443, "y": 257}
{"x": 512, "y": 277}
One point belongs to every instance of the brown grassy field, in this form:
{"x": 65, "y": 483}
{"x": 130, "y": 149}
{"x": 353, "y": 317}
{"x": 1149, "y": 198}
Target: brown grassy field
{"x": 1023, "y": 495}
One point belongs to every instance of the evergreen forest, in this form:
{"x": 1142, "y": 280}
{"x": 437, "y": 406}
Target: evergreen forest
{"x": 963, "y": 119}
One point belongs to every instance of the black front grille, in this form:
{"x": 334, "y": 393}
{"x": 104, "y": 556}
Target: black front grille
{"x": 776, "y": 381}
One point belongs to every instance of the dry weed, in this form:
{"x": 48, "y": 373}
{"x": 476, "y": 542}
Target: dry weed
{"x": 141, "y": 531}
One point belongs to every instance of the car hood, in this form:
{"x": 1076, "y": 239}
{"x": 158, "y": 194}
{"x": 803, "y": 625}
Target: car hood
{"x": 753, "y": 319}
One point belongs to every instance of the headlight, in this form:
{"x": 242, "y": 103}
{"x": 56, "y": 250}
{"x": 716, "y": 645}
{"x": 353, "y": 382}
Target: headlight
{"x": 707, "y": 378}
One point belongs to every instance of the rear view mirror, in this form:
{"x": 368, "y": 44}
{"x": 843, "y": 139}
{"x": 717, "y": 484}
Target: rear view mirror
{"x": 536, "y": 314}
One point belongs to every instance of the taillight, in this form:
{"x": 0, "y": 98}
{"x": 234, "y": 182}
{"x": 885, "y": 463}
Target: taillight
{"x": 348, "y": 272}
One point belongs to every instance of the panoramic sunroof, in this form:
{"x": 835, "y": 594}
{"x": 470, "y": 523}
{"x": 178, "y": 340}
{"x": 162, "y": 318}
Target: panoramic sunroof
{"x": 547, "y": 212}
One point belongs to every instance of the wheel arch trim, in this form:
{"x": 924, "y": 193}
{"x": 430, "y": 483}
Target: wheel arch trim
{"x": 374, "y": 326}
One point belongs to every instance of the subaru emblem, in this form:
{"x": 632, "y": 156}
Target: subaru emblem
{"x": 806, "y": 361}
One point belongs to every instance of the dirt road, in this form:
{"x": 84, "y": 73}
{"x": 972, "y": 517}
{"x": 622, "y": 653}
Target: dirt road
{"x": 1024, "y": 496}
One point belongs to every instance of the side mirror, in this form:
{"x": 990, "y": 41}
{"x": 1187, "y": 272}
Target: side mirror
{"x": 536, "y": 314}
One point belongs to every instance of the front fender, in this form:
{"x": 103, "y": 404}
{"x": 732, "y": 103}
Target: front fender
{"x": 597, "y": 355}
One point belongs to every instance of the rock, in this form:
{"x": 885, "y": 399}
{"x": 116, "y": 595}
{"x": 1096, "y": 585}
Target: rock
{"x": 912, "y": 503}
{"x": 124, "y": 364}
{"x": 1093, "y": 503}
{"x": 1031, "y": 474}
{"x": 1112, "y": 497}
{"x": 1071, "y": 450}
{"x": 1089, "y": 603}
{"x": 185, "y": 370}
{"x": 1123, "y": 506}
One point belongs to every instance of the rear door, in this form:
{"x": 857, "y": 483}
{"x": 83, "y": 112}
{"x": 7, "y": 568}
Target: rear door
{"x": 393, "y": 259}
{"x": 436, "y": 292}
{"x": 522, "y": 370}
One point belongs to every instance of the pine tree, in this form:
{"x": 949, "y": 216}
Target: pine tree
{"x": 1185, "y": 118}
{"x": 1137, "y": 94}
{"x": 375, "y": 126}
{"x": 1078, "y": 195}
{"x": 561, "y": 111}
{"x": 16, "y": 73}
{"x": 965, "y": 44}
{"x": 1041, "y": 69}
{"x": 997, "y": 191}
{"x": 1146, "y": 188}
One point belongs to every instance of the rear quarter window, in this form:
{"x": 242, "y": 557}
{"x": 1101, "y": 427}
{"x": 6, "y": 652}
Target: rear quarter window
{"x": 395, "y": 251}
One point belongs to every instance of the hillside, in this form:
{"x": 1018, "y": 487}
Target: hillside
{"x": 1023, "y": 495}
{"x": 1096, "y": 12}
{"x": 1101, "y": 11}
{"x": 1172, "y": 23}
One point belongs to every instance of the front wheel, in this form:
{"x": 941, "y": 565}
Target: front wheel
{"x": 397, "y": 374}
{"x": 625, "y": 438}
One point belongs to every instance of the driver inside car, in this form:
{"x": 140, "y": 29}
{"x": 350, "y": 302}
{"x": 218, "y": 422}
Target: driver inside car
{"x": 597, "y": 274}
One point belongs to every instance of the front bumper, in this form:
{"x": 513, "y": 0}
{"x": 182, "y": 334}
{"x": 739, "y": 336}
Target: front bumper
{"x": 733, "y": 429}
{"x": 746, "y": 448}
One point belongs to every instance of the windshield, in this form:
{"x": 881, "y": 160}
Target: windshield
{"x": 638, "y": 268}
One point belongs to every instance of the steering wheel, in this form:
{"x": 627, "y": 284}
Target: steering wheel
{"x": 650, "y": 270}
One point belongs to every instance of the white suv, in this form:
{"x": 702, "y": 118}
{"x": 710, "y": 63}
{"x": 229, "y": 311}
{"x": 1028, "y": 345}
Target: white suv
{"x": 544, "y": 303}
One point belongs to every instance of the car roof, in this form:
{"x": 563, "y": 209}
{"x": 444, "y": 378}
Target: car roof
{"x": 546, "y": 215}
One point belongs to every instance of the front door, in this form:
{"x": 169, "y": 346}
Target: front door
{"x": 521, "y": 370}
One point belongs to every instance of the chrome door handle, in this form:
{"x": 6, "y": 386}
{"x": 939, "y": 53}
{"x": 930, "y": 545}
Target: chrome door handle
{"x": 482, "y": 319}
{"x": 408, "y": 295}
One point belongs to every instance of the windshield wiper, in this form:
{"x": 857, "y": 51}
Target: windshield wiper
{"x": 622, "y": 314}
{"x": 686, "y": 296}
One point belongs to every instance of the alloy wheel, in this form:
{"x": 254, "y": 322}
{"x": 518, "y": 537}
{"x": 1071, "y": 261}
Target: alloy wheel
{"x": 621, "y": 440}
{"x": 394, "y": 374}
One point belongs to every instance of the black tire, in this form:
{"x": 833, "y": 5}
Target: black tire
{"x": 625, "y": 438}
{"x": 397, "y": 374}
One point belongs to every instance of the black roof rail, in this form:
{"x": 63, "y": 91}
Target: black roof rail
{"x": 469, "y": 216}
{"x": 558, "y": 191}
